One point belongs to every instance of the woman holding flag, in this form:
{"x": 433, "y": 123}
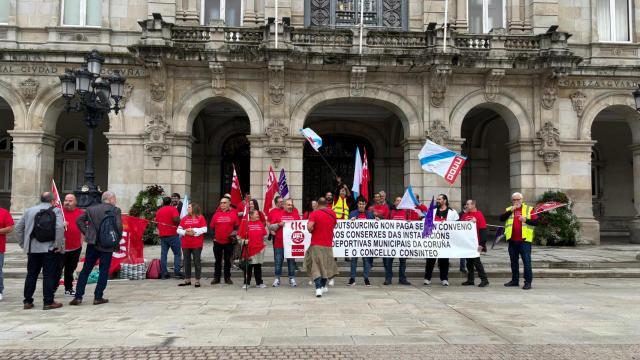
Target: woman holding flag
{"x": 251, "y": 236}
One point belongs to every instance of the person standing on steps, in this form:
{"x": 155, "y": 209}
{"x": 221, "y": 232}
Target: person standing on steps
{"x": 442, "y": 213}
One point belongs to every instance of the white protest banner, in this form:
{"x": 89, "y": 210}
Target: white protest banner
{"x": 388, "y": 238}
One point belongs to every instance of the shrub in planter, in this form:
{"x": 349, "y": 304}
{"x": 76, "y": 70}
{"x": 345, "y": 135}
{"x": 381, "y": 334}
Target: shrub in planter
{"x": 146, "y": 205}
{"x": 559, "y": 227}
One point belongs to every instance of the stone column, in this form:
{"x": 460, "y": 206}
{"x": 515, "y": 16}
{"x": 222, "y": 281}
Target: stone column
{"x": 125, "y": 177}
{"x": 413, "y": 173}
{"x": 575, "y": 165}
{"x": 462, "y": 23}
{"x": 295, "y": 175}
{"x": 522, "y": 160}
{"x": 249, "y": 15}
{"x": 259, "y": 6}
{"x": 634, "y": 226}
{"x": 188, "y": 12}
{"x": 259, "y": 167}
{"x": 180, "y": 163}
{"x": 33, "y": 161}
{"x": 515, "y": 21}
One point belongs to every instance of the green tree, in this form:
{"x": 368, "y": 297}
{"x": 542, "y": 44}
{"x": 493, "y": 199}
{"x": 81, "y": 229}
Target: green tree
{"x": 146, "y": 205}
{"x": 559, "y": 227}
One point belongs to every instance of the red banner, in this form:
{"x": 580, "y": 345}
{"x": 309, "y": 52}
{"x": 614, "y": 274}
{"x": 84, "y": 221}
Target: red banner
{"x": 548, "y": 206}
{"x": 131, "y": 244}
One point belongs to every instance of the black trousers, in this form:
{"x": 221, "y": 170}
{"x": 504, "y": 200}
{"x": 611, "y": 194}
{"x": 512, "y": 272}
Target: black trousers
{"x": 187, "y": 254}
{"x": 68, "y": 262}
{"x": 475, "y": 263}
{"x": 221, "y": 251}
{"x": 255, "y": 269}
{"x": 443, "y": 266}
{"x": 48, "y": 263}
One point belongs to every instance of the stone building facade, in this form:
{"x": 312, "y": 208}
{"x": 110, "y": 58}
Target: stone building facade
{"x": 536, "y": 92}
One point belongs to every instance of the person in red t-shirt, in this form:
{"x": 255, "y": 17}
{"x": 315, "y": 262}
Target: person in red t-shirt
{"x": 225, "y": 224}
{"x": 289, "y": 213}
{"x": 251, "y": 236}
{"x": 167, "y": 219}
{"x": 192, "y": 228}
{"x": 72, "y": 244}
{"x": 318, "y": 259}
{"x": 379, "y": 209}
{"x": 403, "y": 215}
{"x": 474, "y": 215}
{"x": 6, "y": 226}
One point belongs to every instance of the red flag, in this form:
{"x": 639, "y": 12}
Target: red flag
{"x": 271, "y": 191}
{"x": 548, "y": 206}
{"x": 131, "y": 245}
{"x": 56, "y": 198}
{"x": 236, "y": 194}
{"x": 364, "y": 185}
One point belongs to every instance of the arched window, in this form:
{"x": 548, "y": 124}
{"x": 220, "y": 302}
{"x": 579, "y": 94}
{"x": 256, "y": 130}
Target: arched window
{"x": 6, "y": 156}
{"x": 73, "y": 152}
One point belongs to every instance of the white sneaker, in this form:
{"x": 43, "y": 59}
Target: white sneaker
{"x": 245, "y": 287}
{"x": 331, "y": 282}
{"x": 318, "y": 292}
{"x": 427, "y": 282}
{"x": 0, "y": 297}
{"x": 261, "y": 286}
{"x": 293, "y": 283}
{"x": 325, "y": 290}
{"x": 276, "y": 282}
{"x": 445, "y": 283}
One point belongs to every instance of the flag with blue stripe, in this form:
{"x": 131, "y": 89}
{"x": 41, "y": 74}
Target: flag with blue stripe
{"x": 440, "y": 160}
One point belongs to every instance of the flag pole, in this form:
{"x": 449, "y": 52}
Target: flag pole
{"x": 276, "y": 23}
{"x": 446, "y": 15}
{"x": 361, "y": 25}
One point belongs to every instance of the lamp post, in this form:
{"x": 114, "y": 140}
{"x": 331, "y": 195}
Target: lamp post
{"x": 85, "y": 91}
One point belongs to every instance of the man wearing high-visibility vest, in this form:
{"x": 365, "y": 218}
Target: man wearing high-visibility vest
{"x": 518, "y": 230}
{"x": 341, "y": 204}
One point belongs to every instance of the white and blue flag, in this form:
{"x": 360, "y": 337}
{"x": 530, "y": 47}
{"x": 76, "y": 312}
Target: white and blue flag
{"x": 357, "y": 175}
{"x": 440, "y": 160}
{"x": 314, "y": 140}
{"x": 409, "y": 201}
{"x": 185, "y": 205}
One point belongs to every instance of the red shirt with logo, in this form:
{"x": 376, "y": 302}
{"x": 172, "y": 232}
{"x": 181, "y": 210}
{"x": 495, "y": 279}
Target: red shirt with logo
{"x": 481, "y": 223}
{"x": 164, "y": 218}
{"x": 72, "y": 235}
{"x": 5, "y": 221}
{"x": 190, "y": 241}
{"x": 254, "y": 231}
{"x": 324, "y": 220}
{"x": 223, "y": 223}
{"x": 279, "y": 217}
{"x": 404, "y": 214}
{"x": 380, "y": 211}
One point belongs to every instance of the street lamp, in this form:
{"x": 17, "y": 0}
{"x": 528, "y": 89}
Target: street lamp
{"x": 636, "y": 97}
{"x": 87, "y": 92}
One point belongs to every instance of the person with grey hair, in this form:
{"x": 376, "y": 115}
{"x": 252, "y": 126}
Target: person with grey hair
{"x": 40, "y": 234}
{"x": 90, "y": 224}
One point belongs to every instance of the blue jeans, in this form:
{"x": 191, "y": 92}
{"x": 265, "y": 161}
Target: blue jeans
{"x": 520, "y": 249}
{"x": 172, "y": 242}
{"x": 320, "y": 282}
{"x": 366, "y": 265}
{"x": 388, "y": 269}
{"x": 91, "y": 256}
{"x": 278, "y": 256}
{"x": 1, "y": 274}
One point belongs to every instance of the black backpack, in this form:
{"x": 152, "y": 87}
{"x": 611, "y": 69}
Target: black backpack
{"x": 44, "y": 225}
{"x": 108, "y": 236}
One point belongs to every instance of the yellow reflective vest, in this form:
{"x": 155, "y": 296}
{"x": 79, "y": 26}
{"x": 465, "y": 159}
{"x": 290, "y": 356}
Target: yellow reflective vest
{"x": 341, "y": 208}
{"x": 527, "y": 230}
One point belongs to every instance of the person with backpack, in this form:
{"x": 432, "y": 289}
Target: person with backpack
{"x": 101, "y": 225}
{"x": 40, "y": 234}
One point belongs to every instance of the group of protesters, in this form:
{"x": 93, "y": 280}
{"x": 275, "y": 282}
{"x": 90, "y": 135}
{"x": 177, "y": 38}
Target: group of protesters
{"x": 52, "y": 239}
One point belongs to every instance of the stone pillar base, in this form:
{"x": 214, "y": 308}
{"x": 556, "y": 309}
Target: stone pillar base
{"x": 589, "y": 232}
{"x": 634, "y": 231}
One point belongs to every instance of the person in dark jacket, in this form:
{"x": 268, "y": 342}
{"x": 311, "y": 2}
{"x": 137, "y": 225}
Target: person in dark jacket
{"x": 89, "y": 225}
{"x": 361, "y": 213}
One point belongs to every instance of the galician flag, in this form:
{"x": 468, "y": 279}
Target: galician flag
{"x": 314, "y": 140}
{"x": 283, "y": 188}
{"x": 357, "y": 175}
{"x": 185, "y": 206}
{"x": 440, "y": 160}
{"x": 409, "y": 200}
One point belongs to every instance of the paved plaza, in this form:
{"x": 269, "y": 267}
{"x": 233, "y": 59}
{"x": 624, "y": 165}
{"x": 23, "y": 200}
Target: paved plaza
{"x": 494, "y": 322}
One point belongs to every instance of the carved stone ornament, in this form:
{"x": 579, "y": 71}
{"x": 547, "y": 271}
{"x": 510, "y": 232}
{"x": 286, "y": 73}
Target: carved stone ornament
{"x": 549, "y": 150}
{"x": 550, "y": 89}
{"x": 439, "y": 78}
{"x": 156, "y": 141}
{"x": 437, "y": 132}
{"x": 358, "y": 76}
{"x": 276, "y": 83}
{"x": 320, "y": 12}
{"x": 158, "y": 91}
{"x": 492, "y": 83}
{"x": 578, "y": 100}
{"x": 29, "y": 90}
{"x": 392, "y": 13}
{"x": 276, "y": 146}
{"x": 218, "y": 78}
{"x": 128, "y": 89}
